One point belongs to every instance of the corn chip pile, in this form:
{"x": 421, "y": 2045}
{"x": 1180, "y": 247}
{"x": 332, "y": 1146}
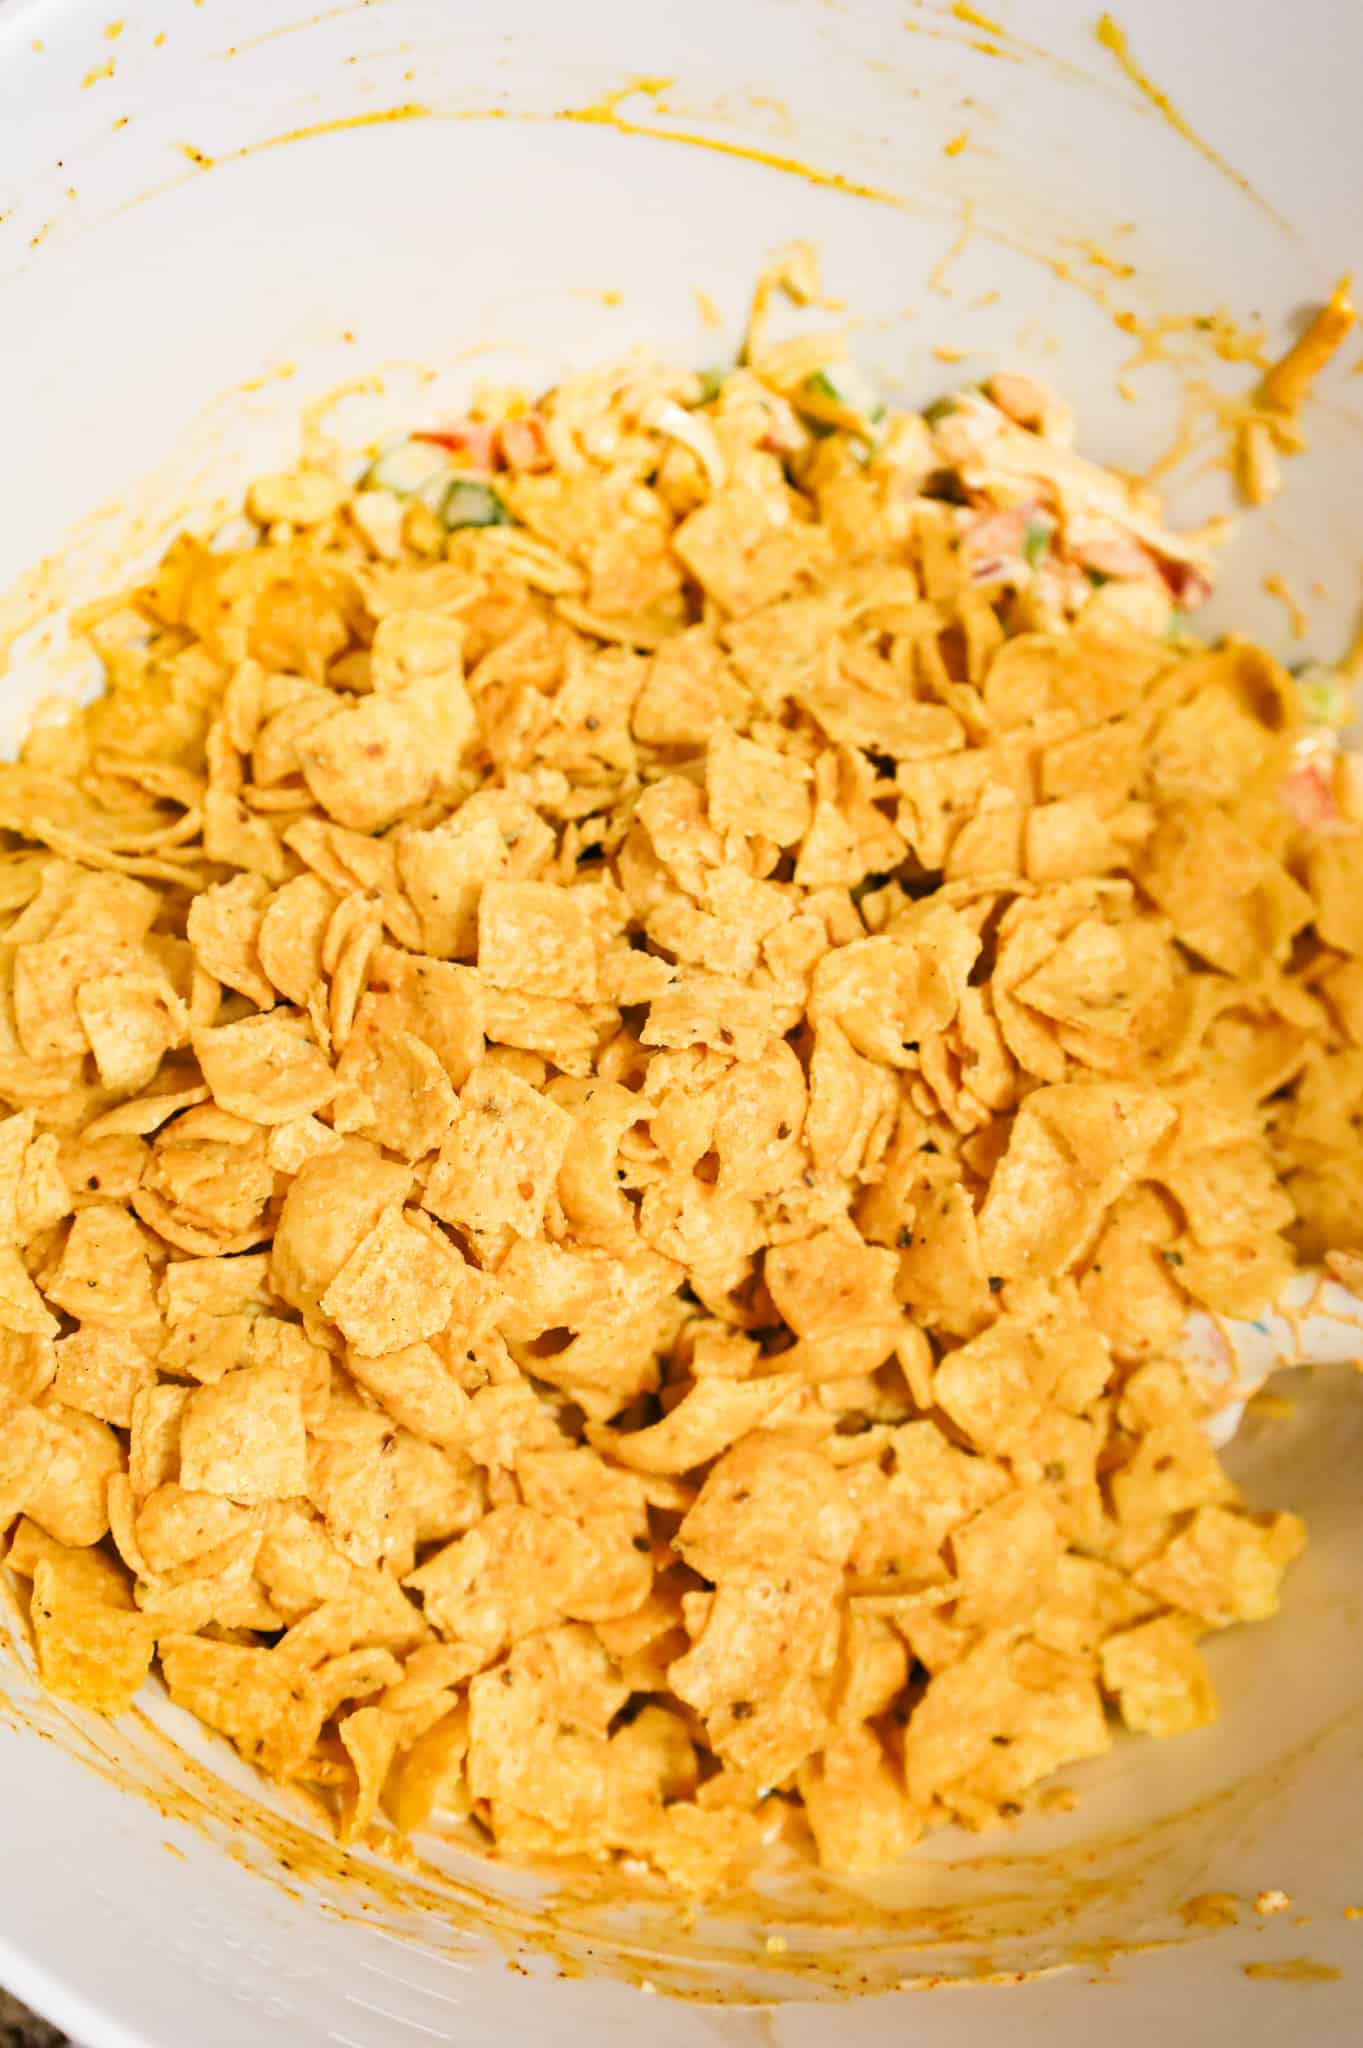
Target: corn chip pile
{"x": 625, "y": 1044}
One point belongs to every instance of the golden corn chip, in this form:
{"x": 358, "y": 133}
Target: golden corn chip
{"x": 418, "y": 647}
{"x": 704, "y": 1851}
{"x": 862, "y": 1818}
{"x": 100, "y": 1369}
{"x": 417, "y": 1390}
{"x": 787, "y": 1724}
{"x": 369, "y": 1736}
{"x": 48, "y": 976}
{"x": 214, "y": 1287}
{"x": 707, "y": 1419}
{"x": 713, "y": 1010}
{"x": 872, "y": 1667}
{"x": 752, "y": 788}
{"x": 995, "y": 1387}
{"x": 500, "y": 1157}
{"x": 1158, "y": 1676}
{"x": 369, "y": 764}
{"x": 990, "y": 1701}
{"x": 430, "y": 1775}
{"x": 36, "y": 1193}
{"x": 741, "y": 557}
{"x": 271, "y": 1712}
{"x": 1334, "y": 874}
{"x": 353, "y": 1483}
{"x": 27, "y": 1365}
{"x": 223, "y": 926}
{"x": 1172, "y": 1469}
{"x": 356, "y": 1675}
{"x": 90, "y": 1652}
{"x": 131, "y": 1022}
{"x": 1061, "y": 1456}
{"x": 69, "y": 1501}
{"x": 567, "y": 1035}
{"x": 536, "y": 938}
{"x": 830, "y": 1283}
{"x": 688, "y": 690}
{"x": 244, "y": 1437}
{"x": 441, "y": 1492}
{"x": 1101, "y": 764}
{"x": 442, "y": 1005}
{"x": 215, "y": 1588}
{"x": 266, "y": 1068}
{"x": 1074, "y": 1149}
{"x": 397, "y": 1286}
{"x": 1225, "y": 1566}
{"x": 515, "y": 1573}
{"x": 92, "y": 1575}
{"x": 154, "y": 1447}
{"x": 904, "y": 1515}
{"x": 533, "y": 1751}
{"x": 1063, "y": 840}
{"x": 22, "y": 1309}
{"x": 104, "y": 1273}
{"x": 1085, "y": 1602}
{"x": 762, "y": 1629}
{"x": 175, "y": 1524}
{"x": 29, "y": 1443}
{"x": 609, "y": 1124}
{"x": 332, "y": 1203}
{"x": 297, "y": 1563}
{"x": 1056, "y": 1719}
{"x": 767, "y": 1499}
{"x": 1004, "y": 1559}
{"x": 288, "y": 936}
{"x": 1227, "y": 899}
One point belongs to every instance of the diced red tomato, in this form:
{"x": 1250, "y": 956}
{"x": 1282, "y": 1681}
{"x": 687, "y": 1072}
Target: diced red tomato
{"x": 1188, "y": 586}
{"x": 1309, "y": 793}
{"x": 472, "y": 438}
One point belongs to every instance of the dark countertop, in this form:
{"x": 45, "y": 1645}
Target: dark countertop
{"x": 20, "y": 2028}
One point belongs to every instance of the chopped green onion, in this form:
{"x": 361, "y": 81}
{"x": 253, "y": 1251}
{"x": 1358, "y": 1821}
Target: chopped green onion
{"x": 712, "y": 382}
{"x": 1177, "y": 628}
{"x": 1097, "y": 578}
{"x": 473, "y": 504}
{"x": 1325, "y": 696}
{"x": 939, "y": 410}
{"x": 822, "y": 386}
{"x": 1036, "y": 540}
{"x": 410, "y": 469}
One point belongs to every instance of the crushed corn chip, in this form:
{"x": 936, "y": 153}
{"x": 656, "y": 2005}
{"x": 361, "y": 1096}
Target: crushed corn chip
{"x": 614, "y": 1108}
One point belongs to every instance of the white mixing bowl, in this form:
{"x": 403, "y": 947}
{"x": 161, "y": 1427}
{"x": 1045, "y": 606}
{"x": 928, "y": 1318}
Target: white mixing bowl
{"x": 220, "y": 212}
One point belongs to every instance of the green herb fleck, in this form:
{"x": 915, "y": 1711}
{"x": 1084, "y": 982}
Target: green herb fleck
{"x": 1036, "y": 540}
{"x": 939, "y": 410}
{"x": 1325, "y": 696}
{"x": 473, "y": 504}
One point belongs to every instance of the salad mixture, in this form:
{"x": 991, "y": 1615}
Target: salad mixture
{"x": 628, "y": 1041}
